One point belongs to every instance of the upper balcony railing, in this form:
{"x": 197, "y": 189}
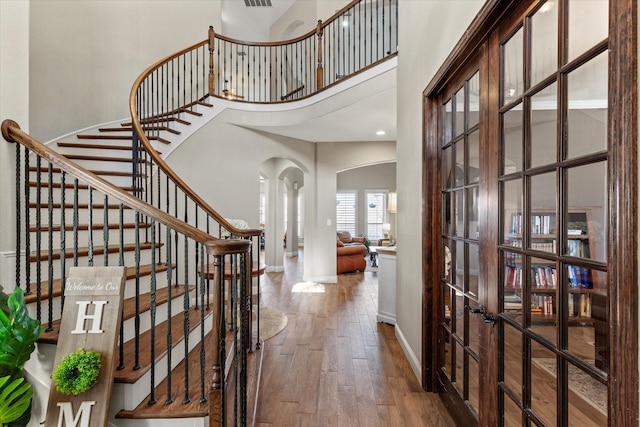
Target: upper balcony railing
{"x": 356, "y": 37}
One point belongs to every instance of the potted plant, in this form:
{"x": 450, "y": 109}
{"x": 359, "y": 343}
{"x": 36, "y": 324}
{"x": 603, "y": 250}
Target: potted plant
{"x": 18, "y": 334}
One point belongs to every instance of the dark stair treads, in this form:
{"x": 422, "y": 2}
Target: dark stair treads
{"x": 101, "y": 158}
{"x": 145, "y": 128}
{"x": 84, "y": 251}
{"x": 96, "y": 146}
{"x": 195, "y": 408}
{"x": 69, "y": 185}
{"x": 45, "y": 170}
{"x": 130, "y": 273}
{"x": 56, "y": 205}
{"x": 129, "y": 375}
{"x": 84, "y": 227}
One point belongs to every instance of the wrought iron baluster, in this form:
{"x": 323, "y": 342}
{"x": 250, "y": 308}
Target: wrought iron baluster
{"x": 18, "y": 209}
{"x": 221, "y": 338}
{"x": 121, "y": 264}
{"x": 27, "y": 223}
{"x": 105, "y": 230}
{"x": 152, "y": 396}
{"x": 63, "y": 231}
{"x": 38, "y": 230}
{"x": 197, "y": 253}
{"x": 203, "y": 397}
{"x": 75, "y": 222}
{"x": 90, "y": 227}
{"x": 383, "y": 29}
{"x": 50, "y": 245}
{"x": 159, "y": 246}
{"x": 137, "y": 365}
{"x": 169, "y": 318}
{"x": 187, "y": 322}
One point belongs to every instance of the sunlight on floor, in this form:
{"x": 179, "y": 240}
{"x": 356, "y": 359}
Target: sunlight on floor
{"x": 308, "y": 287}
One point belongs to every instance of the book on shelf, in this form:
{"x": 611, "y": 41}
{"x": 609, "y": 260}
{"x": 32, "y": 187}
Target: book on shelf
{"x": 579, "y": 277}
{"x": 540, "y": 224}
{"x": 545, "y": 276}
{"x": 542, "y": 304}
{"x": 577, "y": 248}
{"x": 579, "y": 305}
{"x": 512, "y": 301}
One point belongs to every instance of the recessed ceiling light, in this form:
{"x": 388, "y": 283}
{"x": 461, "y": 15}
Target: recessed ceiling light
{"x": 380, "y": 133}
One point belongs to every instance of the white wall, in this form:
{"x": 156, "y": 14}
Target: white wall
{"x": 374, "y": 177}
{"x": 89, "y": 53}
{"x": 299, "y": 19}
{"x": 14, "y": 104}
{"x": 220, "y": 153}
{"x": 331, "y": 158}
{"x": 428, "y": 32}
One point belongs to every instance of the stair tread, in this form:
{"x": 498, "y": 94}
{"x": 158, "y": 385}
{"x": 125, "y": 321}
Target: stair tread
{"x": 32, "y": 296}
{"x": 95, "y": 172}
{"x": 129, "y": 375}
{"x": 95, "y": 146}
{"x": 84, "y": 251}
{"x": 160, "y": 120}
{"x": 84, "y": 227}
{"x": 101, "y": 158}
{"x": 195, "y": 408}
{"x": 98, "y": 136}
{"x": 80, "y": 206}
{"x": 70, "y": 185}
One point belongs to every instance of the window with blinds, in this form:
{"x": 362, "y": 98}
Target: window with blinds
{"x": 346, "y": 211}
{"x": 376, "y": 214}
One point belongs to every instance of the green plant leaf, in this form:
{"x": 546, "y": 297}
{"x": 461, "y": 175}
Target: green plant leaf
{"x": 18, "y": 331}
{"x": 15, "y": 398}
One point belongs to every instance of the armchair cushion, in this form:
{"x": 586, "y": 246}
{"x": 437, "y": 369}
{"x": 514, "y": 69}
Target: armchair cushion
{"x": 350, "y": 252}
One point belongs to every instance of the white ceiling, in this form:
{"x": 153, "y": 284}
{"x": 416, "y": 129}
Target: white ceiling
{"x": 354, "y": 110}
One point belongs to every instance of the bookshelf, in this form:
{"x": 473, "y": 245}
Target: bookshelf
{"x": 542, "y": 272}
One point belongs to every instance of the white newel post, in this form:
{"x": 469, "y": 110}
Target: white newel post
{"x": 90, "y": 320}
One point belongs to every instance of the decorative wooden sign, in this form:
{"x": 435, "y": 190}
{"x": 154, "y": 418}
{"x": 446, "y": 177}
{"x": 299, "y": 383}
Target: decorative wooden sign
{"x": 90, "y": 321}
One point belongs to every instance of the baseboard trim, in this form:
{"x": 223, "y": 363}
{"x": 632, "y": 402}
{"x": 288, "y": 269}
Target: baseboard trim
{"x": 275, "y": 269}
{"x": 8, "y": 270}
{"x": 408, "y": 352}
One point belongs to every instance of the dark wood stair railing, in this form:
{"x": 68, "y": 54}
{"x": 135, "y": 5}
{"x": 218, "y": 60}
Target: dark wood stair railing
{"x": 149, "y": 339}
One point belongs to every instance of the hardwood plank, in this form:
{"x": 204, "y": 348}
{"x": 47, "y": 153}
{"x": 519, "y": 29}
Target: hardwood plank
{"x": 315, "y": 370}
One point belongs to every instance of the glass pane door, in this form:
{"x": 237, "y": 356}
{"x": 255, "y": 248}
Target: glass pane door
{"x": 460, "y": 329}
{"x": 553, "y": 204}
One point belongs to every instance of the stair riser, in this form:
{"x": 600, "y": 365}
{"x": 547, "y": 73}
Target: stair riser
{"x": 124, "y": 166}
{"x": 83, "y": 197}
{"x": 129, "y": 324}
{"x": 128, "y": 396}
{"x": 145, "y": 318}
{"x": 98, "y": 259}
{"x": 113, "y": 215}
{"x": 99, "y": 151}
{"x": 97, "y": 237}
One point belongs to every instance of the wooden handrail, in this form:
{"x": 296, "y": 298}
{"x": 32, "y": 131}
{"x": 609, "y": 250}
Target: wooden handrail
{"x": 162, "y": 164}
{"x": 12, "y": 133}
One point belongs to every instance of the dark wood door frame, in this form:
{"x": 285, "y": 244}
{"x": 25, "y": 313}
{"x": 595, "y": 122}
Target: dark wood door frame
{"x": 622, "y": 212}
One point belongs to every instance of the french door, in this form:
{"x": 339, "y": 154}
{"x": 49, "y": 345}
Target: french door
{"x": 526, "y": 222}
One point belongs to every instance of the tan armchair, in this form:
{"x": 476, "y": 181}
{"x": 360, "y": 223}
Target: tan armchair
{"x": 350, "y": 252}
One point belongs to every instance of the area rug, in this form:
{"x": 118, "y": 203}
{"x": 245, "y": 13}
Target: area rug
{"x": 582, "y": 384}
{"x": 272, "y": 322}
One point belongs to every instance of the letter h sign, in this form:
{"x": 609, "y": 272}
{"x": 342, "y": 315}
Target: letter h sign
{"x": 90, "y": 320}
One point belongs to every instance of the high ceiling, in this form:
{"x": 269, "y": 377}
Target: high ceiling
{"x": 354, "y": 111}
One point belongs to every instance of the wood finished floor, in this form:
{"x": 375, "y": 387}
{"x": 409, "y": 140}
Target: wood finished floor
{"x": 334, "y": 364}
